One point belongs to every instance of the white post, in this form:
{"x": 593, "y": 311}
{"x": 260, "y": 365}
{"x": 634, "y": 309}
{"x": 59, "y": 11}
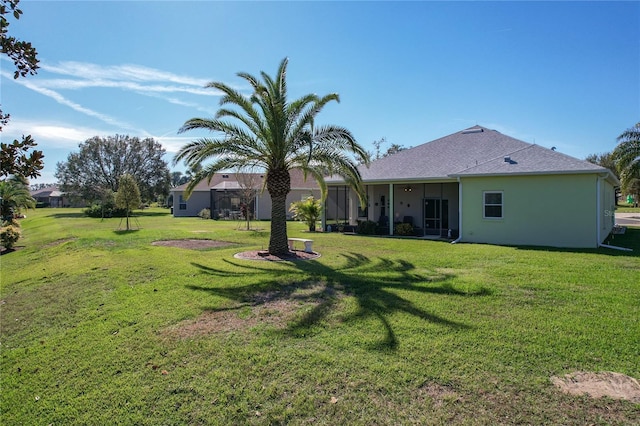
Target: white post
{"x": 391, "y": 212}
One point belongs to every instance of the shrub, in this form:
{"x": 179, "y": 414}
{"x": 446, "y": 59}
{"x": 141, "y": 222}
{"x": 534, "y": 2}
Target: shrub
{"x": 307, "y": 211}
{"x": 109, "y": 211}
{"x": 205, "y": 214}
{"x": 9, "y": 235}
{"x": 367, "y": 227}
{"x": 404, "y": 229}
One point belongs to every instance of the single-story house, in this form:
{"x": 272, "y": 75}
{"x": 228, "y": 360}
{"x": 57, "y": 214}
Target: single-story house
{"x": 479, "y": 185}
{"x": 225, "y": 194}
{"x": 50, "y": 196}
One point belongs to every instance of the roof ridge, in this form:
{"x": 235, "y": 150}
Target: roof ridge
{"x": 508, "y": 154}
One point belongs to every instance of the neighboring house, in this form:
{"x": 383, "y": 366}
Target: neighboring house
{"x": 225, "y": 193}
{"x": 481, "y": 186}
{"x": 50, "y": 196}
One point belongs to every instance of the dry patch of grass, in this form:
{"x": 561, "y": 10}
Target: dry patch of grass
{"x": 266, "y": 308}
{"x": 597, "y": 385}
{"x": 192, "y": 244}
{"x": 58, "y": 242}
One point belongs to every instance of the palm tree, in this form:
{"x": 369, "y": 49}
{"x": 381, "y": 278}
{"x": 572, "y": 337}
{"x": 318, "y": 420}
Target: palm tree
{"x": 627, "y": 158}
{"x": 14, "y": 195}
{"x": 267, "y": 131}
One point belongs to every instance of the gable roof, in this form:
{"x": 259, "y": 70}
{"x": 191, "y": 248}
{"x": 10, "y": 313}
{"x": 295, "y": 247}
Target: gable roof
{"x": 229, "y": 181}
{"x": 49, "y": 191}
{"x": 476, "y": 151}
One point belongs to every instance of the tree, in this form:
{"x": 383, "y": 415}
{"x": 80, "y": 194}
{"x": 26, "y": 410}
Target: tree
{"x": 394, "y": 148}
{"x": 22, "y": 53}
{"x": 248, "y": 191}
{"x": 15, "y": 160}
{"x": 377, "y": 145}
{"x": 128, "y": 195}
{"x": 14, "y": 196}
{"x": 102, "y": 161}
{"x": 307, "y": 211}
{"x": 271, "y": 132}
{"x": 604, "y": 160}
{"x": 627, "y": 159}
{"x": 177, "y": 179}
{"x": 378, "y": 154}
{"x": 14, "y": 156}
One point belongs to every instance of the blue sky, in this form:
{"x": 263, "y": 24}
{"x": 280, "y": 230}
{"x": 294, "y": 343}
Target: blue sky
{"x": 563, "y": 74}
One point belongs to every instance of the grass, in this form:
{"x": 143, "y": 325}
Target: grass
{"x": 627, "y": 208}
{"x": 100, "y": 327}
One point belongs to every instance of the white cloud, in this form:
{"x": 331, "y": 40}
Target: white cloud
{"x": 173, "y": 143}
{"x": 73, "y": 105}
{"x": 53, "y": 135}
{"x": 90, "y": 71}
{"x": 127, "y": 77}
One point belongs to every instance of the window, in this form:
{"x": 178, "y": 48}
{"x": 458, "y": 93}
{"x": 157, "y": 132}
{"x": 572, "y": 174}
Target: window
{"x": 182, "y": 204}
{"x": 492, "y": 204}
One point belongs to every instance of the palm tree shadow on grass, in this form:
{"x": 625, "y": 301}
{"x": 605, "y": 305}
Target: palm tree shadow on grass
{"x": 373, "y": 284}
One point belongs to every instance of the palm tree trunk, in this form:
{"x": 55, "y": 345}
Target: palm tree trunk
{"x": 278, "y": 240}
{"x": 278, "y": 186}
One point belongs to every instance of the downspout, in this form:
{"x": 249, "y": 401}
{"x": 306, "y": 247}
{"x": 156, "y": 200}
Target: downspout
{"x": 598, "y": 221}
{"x": 457, "y": 240}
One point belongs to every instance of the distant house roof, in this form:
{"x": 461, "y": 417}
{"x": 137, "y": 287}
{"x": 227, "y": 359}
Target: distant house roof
{"x": 49, "y": 191}
{"x": 229, "y": 181}
{"x": 476, "y": 151}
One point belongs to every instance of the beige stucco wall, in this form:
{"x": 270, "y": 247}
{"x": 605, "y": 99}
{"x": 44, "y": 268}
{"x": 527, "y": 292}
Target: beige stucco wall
{"x": 559, "y": 211}
{"x": 264, "y": 201}
{"x": 196, "y": 202}
{"x": 201, "y": 200}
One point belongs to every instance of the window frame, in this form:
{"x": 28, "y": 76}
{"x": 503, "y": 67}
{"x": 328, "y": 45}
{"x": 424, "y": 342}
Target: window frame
{"x": 182, "y": 203}
{"x": 485, "y": 205}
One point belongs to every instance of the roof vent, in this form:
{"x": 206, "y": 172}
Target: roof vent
{"x": 507, "y": 159}
{"x": 473, "y": 130}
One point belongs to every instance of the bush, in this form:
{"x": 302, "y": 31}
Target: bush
{"x": 9, "y": 235}
{"x": 307, "y": 211}
{"x": 205, "y": 214}
{"x": 109, "y": 211}
{"x": 404, "y": 229}
{"x": 367, "y": 227}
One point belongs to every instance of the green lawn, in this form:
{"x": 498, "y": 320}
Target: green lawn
{"x": 627, "y": 208}
{"x": 98, "y": 326}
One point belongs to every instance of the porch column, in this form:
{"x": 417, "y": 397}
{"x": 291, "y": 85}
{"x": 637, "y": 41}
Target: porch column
{"x": 323, "y": 214}
{"x": 391, "y": 212}
{"x": 354, "y": 202}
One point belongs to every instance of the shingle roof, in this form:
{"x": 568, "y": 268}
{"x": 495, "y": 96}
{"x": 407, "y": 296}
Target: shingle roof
{"x": 220, "y": 182}
{"x": 50, "y": 191}
{"x": 470, "y": 152}
{"x": 533, "y": 159}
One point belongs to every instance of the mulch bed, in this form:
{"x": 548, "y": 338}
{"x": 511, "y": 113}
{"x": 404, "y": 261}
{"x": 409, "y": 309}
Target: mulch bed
{"x": 264, "y": 255}
{"x": 196, "y": 244}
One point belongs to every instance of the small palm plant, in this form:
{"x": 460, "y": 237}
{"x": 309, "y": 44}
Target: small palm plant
{"x": 14, "y": 196}
{"x": 307, "y": 211}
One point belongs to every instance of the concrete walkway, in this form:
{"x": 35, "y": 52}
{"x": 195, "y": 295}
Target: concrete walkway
{"x": 628, "y": 219}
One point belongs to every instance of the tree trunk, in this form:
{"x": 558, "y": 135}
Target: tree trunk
{"x": 278, "y": 186}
